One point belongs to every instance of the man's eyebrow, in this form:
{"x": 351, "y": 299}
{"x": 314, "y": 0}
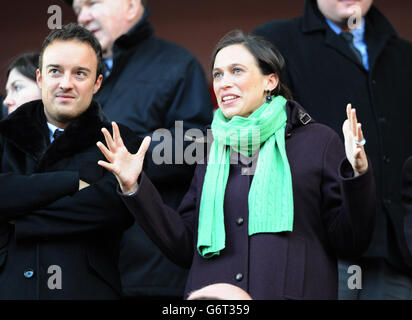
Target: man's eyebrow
{"x": 82, "y": 69}
{"x": 53, "y": 66}
{"x": 58, "y": 66}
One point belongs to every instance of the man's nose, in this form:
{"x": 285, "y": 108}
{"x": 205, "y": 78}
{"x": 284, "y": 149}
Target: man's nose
{"x": 84, "y": 16}
{"x": 66, "y": 82}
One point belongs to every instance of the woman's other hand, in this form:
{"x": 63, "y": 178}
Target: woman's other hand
{"x": 354, "y": 142}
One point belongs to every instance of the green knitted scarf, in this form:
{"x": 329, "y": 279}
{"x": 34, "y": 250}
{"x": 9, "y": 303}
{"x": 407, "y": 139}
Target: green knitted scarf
{"x": 270, "y": 195}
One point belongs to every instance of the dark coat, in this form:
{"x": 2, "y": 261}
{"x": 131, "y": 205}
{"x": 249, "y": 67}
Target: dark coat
{"x": 152, "y": 84}
{"x": 333, "y": 215}
{"x": 3, "y": 112}
{"x": 55, "y": 224}
{"x": 324, "y": 76}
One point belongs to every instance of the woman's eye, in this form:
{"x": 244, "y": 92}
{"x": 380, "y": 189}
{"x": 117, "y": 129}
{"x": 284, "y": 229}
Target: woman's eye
{"x": 217, "y": 75}
{"x": 237, "y": 70}
{"x": 17, "y": 87}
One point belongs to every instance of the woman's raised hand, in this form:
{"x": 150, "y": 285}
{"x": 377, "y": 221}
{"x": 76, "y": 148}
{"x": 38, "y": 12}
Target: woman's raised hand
{"x": 354, "y": 142}
{"x": 125, "y": 166}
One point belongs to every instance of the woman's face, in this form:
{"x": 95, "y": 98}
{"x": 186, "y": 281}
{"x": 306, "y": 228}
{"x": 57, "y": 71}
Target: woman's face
{"x": 20, "y": 90}
{"x": 239, "y": 85}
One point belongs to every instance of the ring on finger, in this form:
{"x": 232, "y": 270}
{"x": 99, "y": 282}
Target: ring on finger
{"x": 361, "y": 143}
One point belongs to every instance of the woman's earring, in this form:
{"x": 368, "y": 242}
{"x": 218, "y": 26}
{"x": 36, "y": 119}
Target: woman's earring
{"x": 268, "y": 96}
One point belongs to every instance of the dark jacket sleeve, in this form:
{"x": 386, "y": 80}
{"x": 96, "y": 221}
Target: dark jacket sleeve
{"x": 22, "y": 193}
{"x": 170, "y": 230}
{"x": 349, "y": 203}
{"x": 92, "y": 209}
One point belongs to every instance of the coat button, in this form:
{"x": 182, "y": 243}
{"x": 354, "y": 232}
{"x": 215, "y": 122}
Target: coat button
{"x": 28, "y": 274}
{"x": 239, "y": 277}
{"x": 239, "y": 221}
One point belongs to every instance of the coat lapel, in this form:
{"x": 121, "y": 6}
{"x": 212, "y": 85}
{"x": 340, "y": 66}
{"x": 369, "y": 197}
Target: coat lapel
{"x": 378, "y": 31}
{"x": 81, "y": 134}
{"x": 337, "y": 43}
{"x": 314, "y": 21}
{"x": 27, "y": 129}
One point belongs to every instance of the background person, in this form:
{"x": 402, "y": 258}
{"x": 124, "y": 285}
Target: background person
{"x": 149, "y": 84}
{"x": 276, "y": 231}
{"x": 325, "y": 70}
{"x": 21, "y": 86}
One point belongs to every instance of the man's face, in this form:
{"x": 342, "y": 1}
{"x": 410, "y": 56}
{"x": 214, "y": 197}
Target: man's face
{"x": 107, "y": 19}
{"x": 339, "y": 11}
{"x": 67, "y": 80}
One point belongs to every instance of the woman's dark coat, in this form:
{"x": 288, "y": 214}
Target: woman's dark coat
{"x": 325, "y": 75}
{"x": 333, "y": 215}
{"x": 54, "y": 223}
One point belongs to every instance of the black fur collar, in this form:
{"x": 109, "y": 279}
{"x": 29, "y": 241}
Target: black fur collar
{"x": 27, "y": 129}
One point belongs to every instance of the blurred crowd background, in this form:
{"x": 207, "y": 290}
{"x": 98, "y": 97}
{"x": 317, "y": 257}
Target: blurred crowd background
{"x": 195, "y": 25}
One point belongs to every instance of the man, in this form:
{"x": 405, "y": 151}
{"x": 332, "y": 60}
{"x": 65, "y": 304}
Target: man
{"x": 150, "y": 84}
{"x": 337, "y": 53}
{"x": 61, "y": 218}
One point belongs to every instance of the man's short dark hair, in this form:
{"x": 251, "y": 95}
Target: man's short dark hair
{"x": 73, "y": 31}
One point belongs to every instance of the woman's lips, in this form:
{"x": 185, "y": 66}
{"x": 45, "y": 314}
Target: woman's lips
{"x": 228, "y": 99}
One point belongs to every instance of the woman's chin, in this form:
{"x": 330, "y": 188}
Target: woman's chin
{"x": 229, "y": 111}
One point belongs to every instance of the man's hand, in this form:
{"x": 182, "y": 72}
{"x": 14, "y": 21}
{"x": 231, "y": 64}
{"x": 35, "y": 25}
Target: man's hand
{"x": 125, "y": 166}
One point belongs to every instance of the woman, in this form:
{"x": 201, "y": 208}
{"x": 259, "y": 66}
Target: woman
{"x": 274, "y": 229}
{"x": 21, "y": 86}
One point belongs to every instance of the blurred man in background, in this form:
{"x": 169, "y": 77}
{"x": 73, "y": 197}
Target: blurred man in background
{"x": 343, "y": 52}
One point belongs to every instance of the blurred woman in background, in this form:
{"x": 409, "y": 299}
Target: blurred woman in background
{"x": 21, "y": 86}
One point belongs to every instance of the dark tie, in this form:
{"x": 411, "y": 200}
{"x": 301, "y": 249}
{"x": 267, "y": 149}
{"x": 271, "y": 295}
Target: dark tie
{"x": 57, "y": 133}
{"x": 106, "y": 70}
{"x": 349, "y": 39}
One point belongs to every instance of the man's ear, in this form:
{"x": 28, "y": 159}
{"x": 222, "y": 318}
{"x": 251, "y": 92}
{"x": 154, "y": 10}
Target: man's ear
{"x": 134, "y": 10}
{"x": 98, "y": 83}
{"x": 38, "y": 78}
{"x": 271, "y": 81}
